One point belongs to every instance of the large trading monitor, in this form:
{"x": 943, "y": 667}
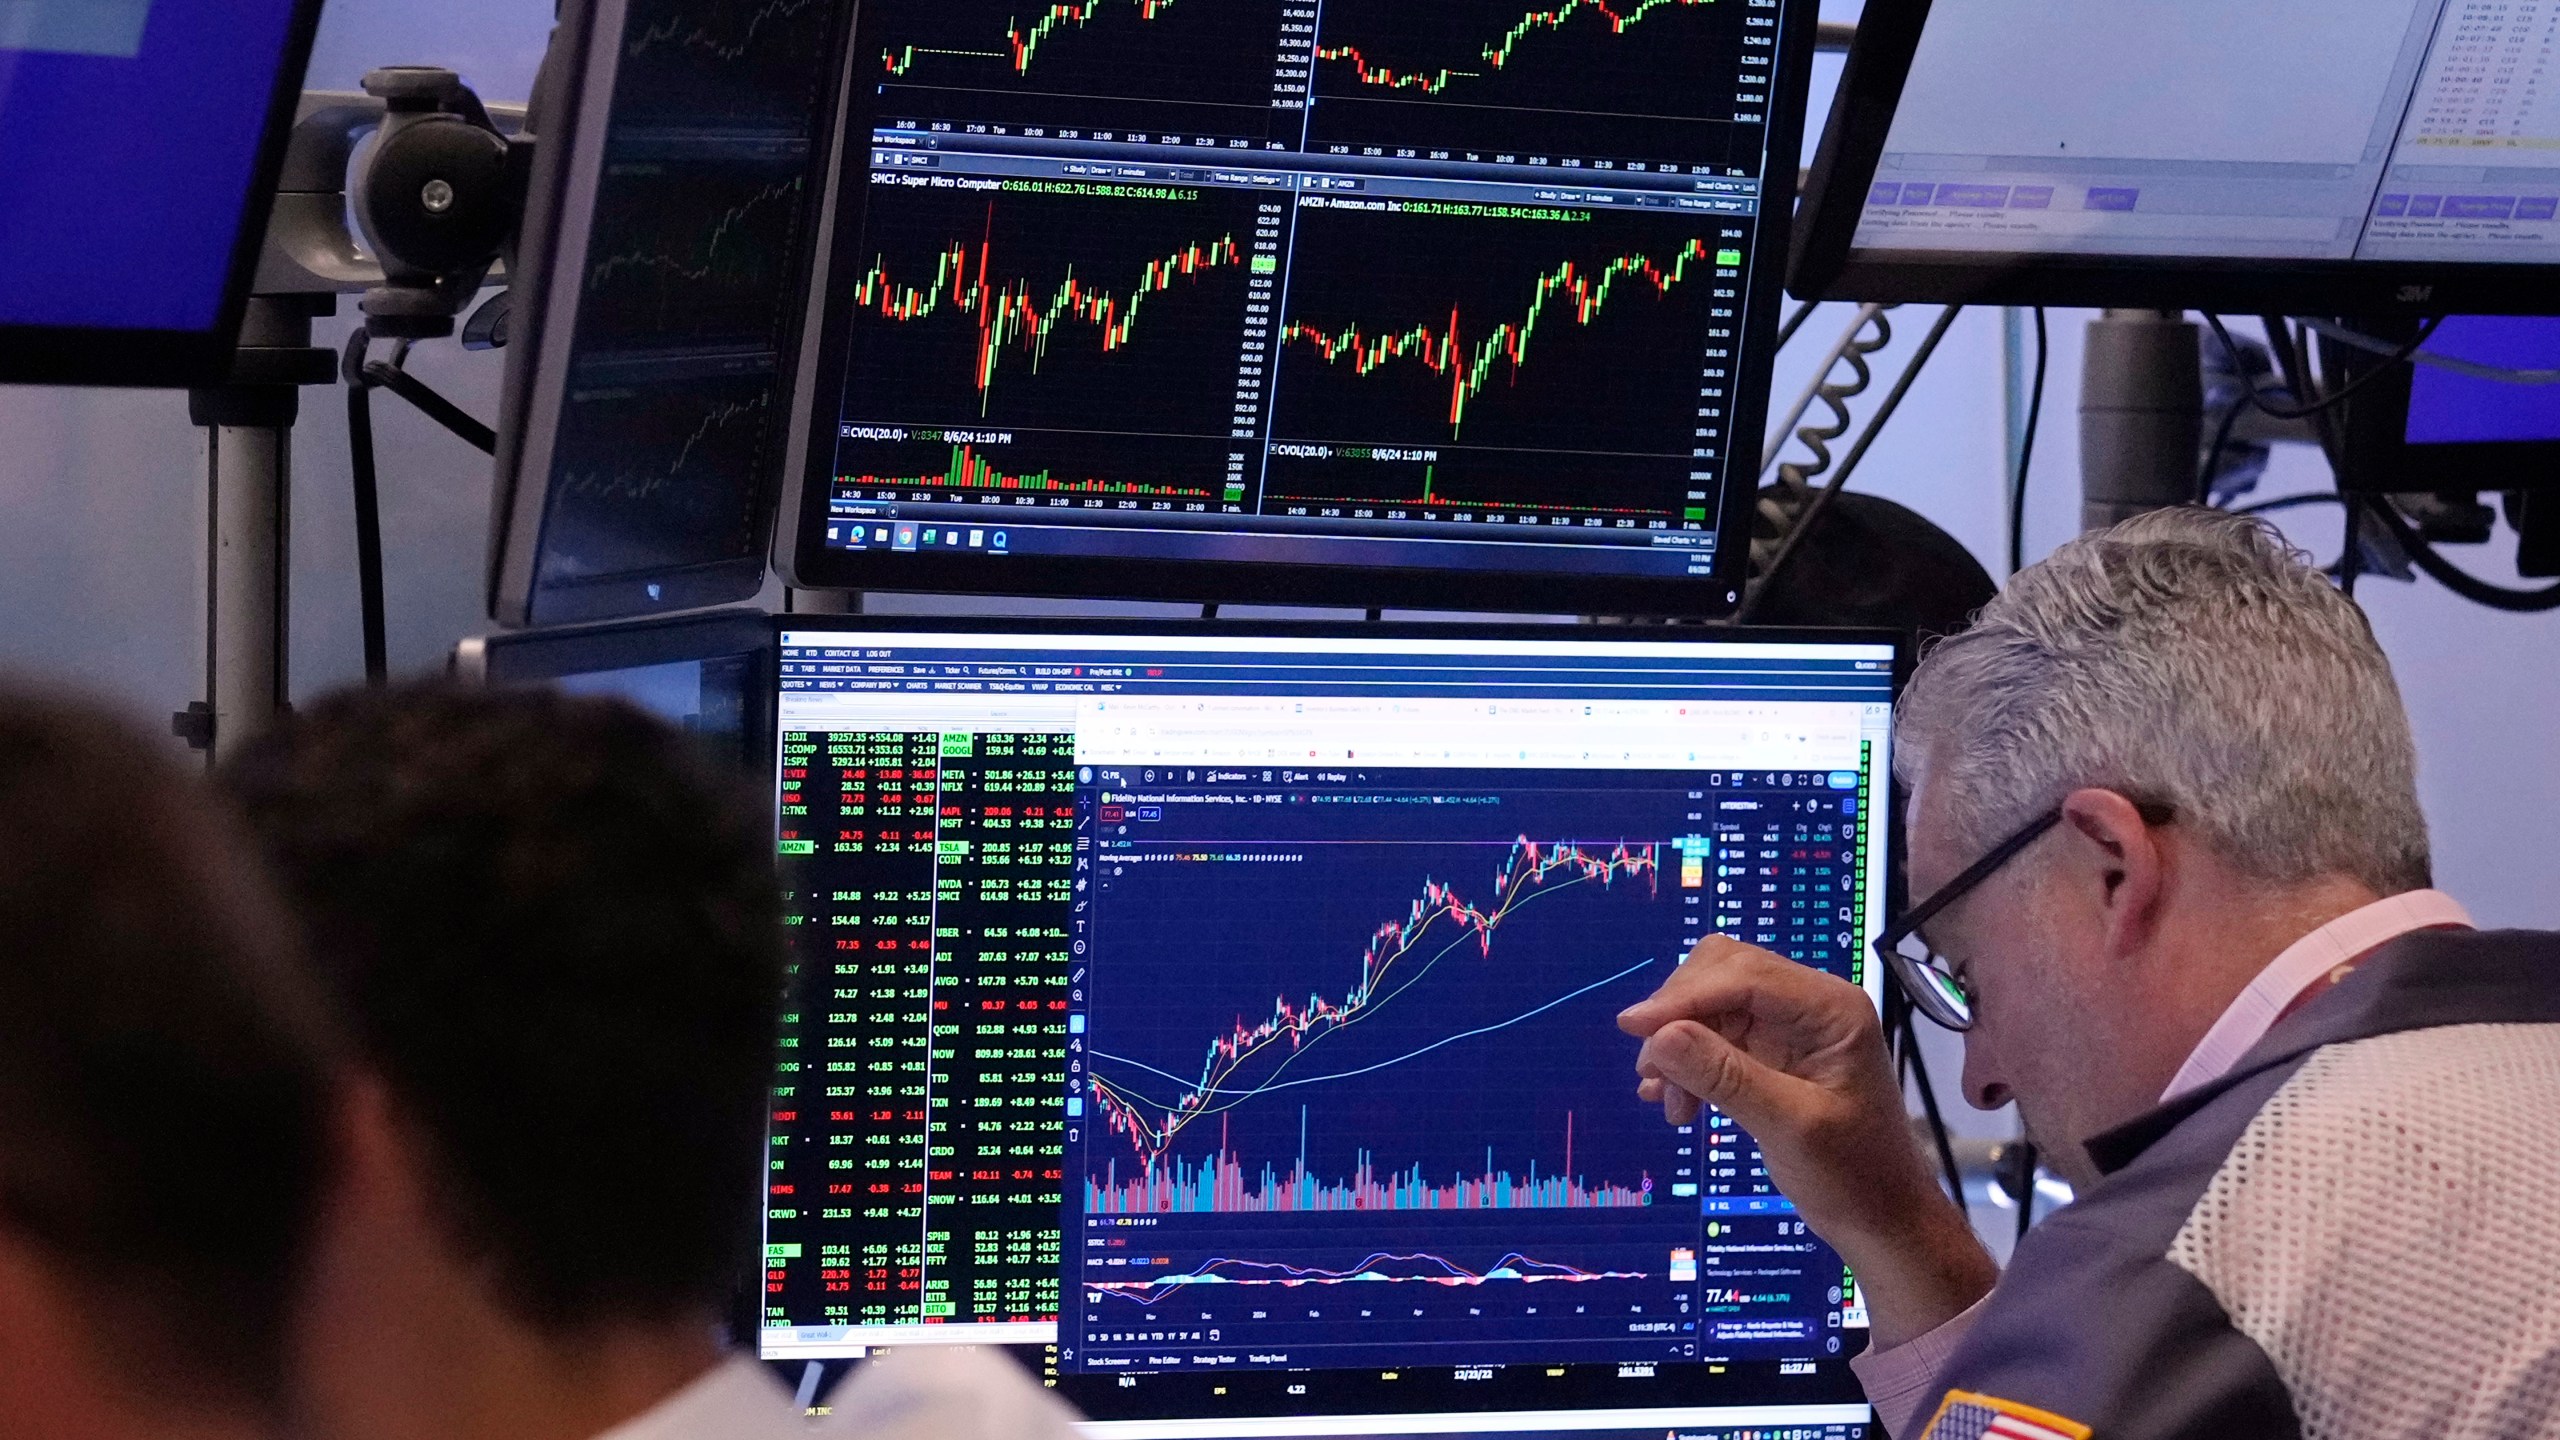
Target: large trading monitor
{"x": 1226, "y": 1015}
{"x": 681, "y": 154}
{"x": 1368, "y": 302}
{"x": 139, "y": 145}
{"x": 2368, "y": 157}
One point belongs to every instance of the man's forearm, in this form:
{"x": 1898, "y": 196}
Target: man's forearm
{"x": 1924, "y": 1272}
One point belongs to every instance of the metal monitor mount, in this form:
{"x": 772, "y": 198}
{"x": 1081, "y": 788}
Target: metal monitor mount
{"x": 438, "y": 196}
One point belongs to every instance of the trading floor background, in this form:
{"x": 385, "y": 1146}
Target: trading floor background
{"x": 86, "y": 569}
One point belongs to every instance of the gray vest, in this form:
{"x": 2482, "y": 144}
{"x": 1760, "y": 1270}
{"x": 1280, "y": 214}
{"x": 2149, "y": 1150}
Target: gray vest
{"x": 2354, "y": 1233}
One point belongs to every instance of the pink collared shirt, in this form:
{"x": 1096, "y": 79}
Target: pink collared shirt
{"x": 1902, "y": 1382}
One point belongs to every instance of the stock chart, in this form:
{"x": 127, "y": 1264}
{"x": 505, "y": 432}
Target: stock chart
{"x": 745, "y": 63}
{"x": 658, "y": 460}
{"x": 694, "y": 243}
{"x": 1467, "y": 278}
{"x": 1544, "y": 358}
{"x": 1660, "y": 79}
{"x": 1204, "y": 65}
{"x": 1353, "y": 1087}
{"x": 1039, "y": 310}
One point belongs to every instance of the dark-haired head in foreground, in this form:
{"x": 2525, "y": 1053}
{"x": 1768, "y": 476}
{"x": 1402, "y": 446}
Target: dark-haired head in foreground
{"x": 163, "y": 1102}
{"x": 555, "y": 932}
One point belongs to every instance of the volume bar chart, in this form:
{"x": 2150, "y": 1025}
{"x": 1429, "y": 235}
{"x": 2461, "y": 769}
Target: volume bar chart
{"x": 1219, "y": 1185}
{"x": 970, "y": 470}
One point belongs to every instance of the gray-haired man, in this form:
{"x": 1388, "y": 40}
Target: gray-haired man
{"x": 2166, "y": 828}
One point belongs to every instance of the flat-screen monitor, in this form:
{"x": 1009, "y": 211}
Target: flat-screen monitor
{"x": 2426, "y": 427}
{"x": 709, "y": 675}
{"x": 682, "y": 150}
{"x": 139, "y": 145}
{"x": 2367, "y": 157}
{"x": 1225, "y": 1016}
{"x": 1460, "y": 305}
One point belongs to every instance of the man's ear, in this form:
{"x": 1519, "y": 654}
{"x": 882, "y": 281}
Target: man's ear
{"x": 2123, "y": 859}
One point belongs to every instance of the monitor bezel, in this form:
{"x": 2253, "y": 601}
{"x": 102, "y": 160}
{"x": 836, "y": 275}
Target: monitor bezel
{"x": 746, "y": 1321}
{"x": 803, "y": 558}
{"x": 535, "y": 657}
{"x": 1826, "y": 263}
{"x": 166, "y": 359}
{"x": 570, "y": 123}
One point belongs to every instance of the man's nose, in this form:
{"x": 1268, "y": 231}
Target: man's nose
{"x": 1983, "y": 1088}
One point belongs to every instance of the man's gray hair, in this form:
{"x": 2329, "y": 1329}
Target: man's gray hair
{"x": 2188, "y": 657}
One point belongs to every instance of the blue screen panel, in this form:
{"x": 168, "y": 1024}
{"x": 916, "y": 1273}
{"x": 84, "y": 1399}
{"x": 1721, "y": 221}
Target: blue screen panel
{"x": 129, "y": 134}
{"x": 2446, "y": 408}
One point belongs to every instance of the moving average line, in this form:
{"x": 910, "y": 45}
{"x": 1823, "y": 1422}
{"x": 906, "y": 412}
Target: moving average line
{"x": 1522, "y": 877}
{"x": 1400, "y": 1059}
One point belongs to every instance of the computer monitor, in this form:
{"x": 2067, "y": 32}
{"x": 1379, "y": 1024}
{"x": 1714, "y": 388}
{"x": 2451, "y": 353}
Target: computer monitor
{"x": 139, "y": 146}
{"x": 2425, "y": 427}
{"x": 710, "y": 675}
{"x": 682, "y": 152}
{"x": 1370, "y": 303}
{"x": 1225, "y": 1015}
{"x": 2365, "y": 157}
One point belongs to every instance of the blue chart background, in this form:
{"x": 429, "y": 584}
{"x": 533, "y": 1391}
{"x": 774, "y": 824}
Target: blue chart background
{"x": 1185, "y": 949}
{"x": 122, "y": 180}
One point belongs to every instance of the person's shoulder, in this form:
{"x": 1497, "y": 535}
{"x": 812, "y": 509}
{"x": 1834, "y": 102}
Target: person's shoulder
{"x": 2422, "y": 1148}
{"x": 944, "y": 1392}
{"x": 2375, "y": 1230}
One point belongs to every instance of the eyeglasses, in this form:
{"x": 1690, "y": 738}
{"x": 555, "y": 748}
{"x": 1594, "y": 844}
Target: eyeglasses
{"x": 1936, "y": 990}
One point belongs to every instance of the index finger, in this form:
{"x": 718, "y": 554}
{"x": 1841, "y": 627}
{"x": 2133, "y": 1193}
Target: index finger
{"x": 1722, "y": 976}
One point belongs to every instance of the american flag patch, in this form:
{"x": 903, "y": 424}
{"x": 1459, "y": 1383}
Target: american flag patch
{"x": 1968, "y": 1416}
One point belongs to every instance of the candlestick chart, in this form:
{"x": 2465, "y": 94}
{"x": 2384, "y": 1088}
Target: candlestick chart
{"x": 1341, "y": 1069}
{"x": 1550, "y": 363}
{"x": 1040, "y": 311}
{"x": 1636, "y": 77}
{"x": 1447, "y": 922}
{"x": 1213, "y": 52}
{"x": 1569, "y": 292}
{"x": 1394, "y": 991}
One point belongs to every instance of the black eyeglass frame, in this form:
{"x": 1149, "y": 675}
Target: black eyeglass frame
{"x": 1928, "y": 983}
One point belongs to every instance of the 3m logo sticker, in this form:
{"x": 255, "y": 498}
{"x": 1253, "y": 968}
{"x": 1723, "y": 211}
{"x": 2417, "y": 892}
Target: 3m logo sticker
{"x": 1968, "y": 1416}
